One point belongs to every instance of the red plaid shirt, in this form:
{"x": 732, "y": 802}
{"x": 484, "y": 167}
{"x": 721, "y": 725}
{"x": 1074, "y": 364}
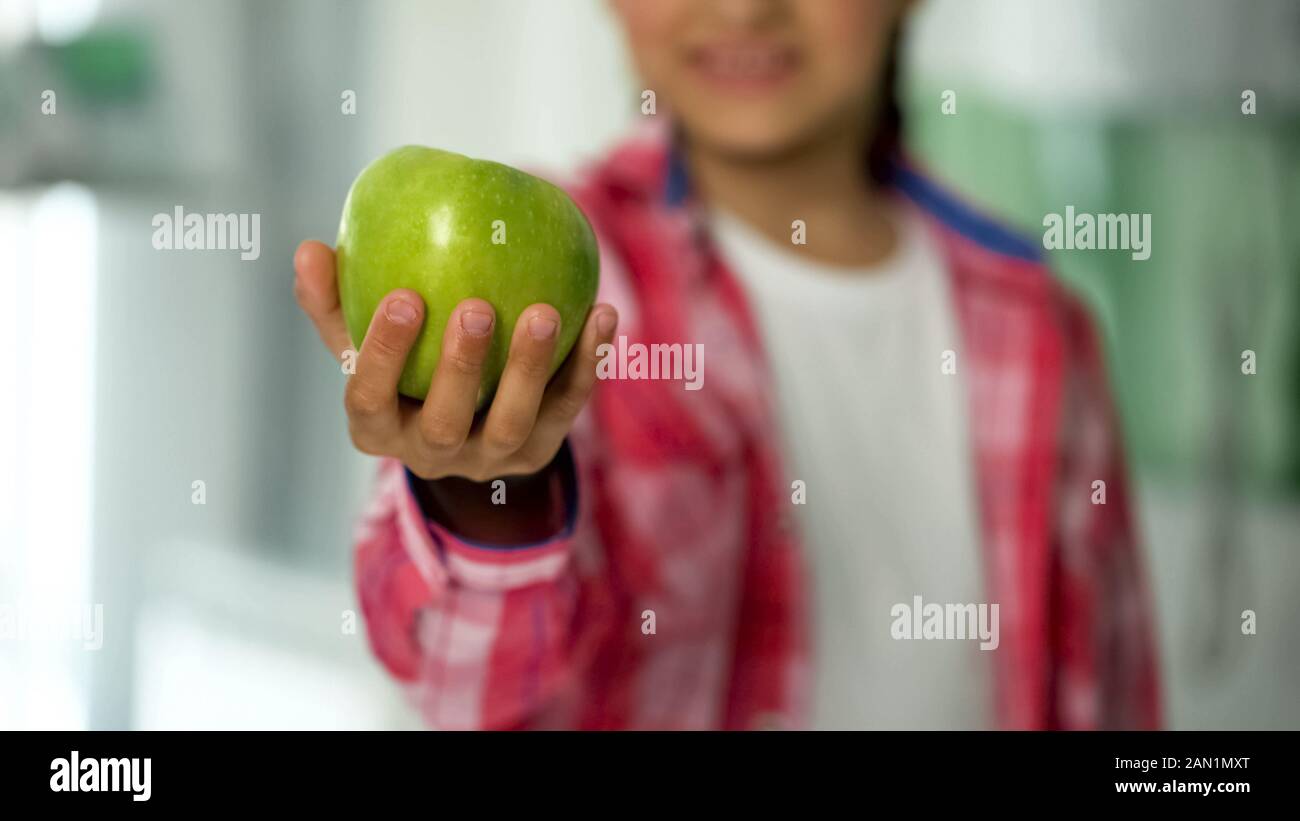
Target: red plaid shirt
{"x": 679, "y": 506}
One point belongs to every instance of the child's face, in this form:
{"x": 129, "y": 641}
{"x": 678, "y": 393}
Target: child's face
{"x": 757, "y": 78}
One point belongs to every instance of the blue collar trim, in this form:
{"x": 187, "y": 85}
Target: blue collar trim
{"x": 953, "y": 213}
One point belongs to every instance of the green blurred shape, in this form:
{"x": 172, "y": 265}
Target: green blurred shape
{"x": 1223, "y": 277}
{"x": 110, "y": 67}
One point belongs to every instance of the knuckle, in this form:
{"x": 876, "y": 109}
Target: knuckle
{"x": 534, "y": 367}
{"x": 363, "y": 441}
{"x": 463, "y": 363}
{"x": 570, "y": 404}
{"x": 507, "y": 439}
{"x": 385, "y": 343}
{"x": 361, "y": 403}
{"x": 441, "y": 433}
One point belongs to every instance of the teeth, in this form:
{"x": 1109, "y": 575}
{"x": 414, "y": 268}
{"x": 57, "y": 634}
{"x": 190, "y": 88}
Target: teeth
{"x": 746, "y": 63}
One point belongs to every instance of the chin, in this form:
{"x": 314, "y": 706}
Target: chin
{"x": 746, "y": 138}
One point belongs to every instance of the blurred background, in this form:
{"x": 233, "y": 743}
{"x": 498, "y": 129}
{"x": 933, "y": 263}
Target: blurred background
{"x": 131, "y": 374}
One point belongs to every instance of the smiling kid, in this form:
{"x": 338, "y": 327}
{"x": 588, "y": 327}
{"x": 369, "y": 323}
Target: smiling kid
{"x": 899, "y": 405}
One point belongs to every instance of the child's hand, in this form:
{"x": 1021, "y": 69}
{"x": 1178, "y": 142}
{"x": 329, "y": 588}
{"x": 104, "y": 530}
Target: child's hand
{"x": 528, "y": 419}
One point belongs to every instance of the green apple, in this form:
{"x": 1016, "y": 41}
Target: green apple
{"x": 450, "y": 227}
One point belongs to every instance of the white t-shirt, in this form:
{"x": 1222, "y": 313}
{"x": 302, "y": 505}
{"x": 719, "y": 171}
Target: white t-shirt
{"x": 877, "y": 432}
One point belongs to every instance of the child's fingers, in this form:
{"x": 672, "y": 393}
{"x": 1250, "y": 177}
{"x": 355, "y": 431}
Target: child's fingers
{"x": 523, "y": 382}
{"x": 448, "y": 409}
{"x": 371, "y": 395}
{"x": 569, "y": 390}
{"x": 316, "y": 288}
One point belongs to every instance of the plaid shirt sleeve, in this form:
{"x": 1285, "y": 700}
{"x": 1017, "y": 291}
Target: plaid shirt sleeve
{"x": 477, "y": 633}
{"x": 1106, "y": 665}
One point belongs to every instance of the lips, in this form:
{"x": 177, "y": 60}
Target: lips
{"x": 745, "y": 64}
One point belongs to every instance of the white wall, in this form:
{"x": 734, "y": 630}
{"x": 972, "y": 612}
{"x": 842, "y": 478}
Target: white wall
{"x": 533, "y": 82}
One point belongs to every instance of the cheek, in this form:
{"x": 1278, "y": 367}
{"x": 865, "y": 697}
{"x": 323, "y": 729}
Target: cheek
{"x": 650, "y": 30}
{"x": 850, "y": 47}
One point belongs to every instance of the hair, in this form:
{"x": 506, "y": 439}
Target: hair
{"x": 885, "y": 141}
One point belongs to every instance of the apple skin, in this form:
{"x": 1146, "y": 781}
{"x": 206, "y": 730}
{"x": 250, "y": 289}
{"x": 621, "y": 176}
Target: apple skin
{"x": 423, "y": 219}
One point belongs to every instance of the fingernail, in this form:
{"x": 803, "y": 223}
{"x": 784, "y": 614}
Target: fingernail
{"x": 400, "y": 311}
{"x": 475, "y": 323}
{"x": 540, "y": 327}
{"x": 605, "y": 323}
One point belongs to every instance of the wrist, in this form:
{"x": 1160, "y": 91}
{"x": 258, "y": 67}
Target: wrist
{"x": 507, "y": 511}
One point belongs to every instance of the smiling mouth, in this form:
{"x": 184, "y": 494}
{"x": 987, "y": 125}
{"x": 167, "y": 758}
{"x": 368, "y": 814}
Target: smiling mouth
{"x": 745, "y": 66}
